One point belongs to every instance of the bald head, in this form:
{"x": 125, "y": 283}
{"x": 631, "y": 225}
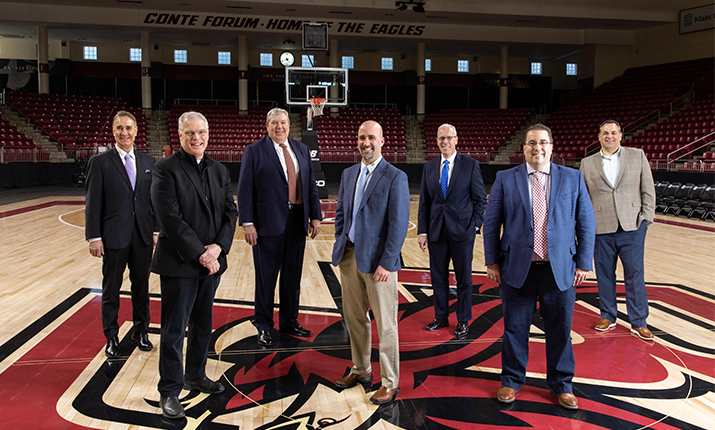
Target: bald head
{"x": 370, "y": 141}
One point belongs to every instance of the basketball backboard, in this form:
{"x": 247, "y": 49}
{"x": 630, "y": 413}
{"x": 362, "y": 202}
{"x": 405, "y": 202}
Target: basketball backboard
{"x": 304, "y": 83}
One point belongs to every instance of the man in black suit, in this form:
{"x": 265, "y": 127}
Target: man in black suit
{"x": 452, "y": 202}
{"x": 278, "y": 207}
{"x": 193, "y": 201}
{"x": 119, "y": 226}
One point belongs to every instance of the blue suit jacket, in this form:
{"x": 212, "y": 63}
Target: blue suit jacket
{"x": 263, "y": 189}
{"x": 463, "y": 208}
{"x": 382, "y": 220}
{"x": 570, "y": 216}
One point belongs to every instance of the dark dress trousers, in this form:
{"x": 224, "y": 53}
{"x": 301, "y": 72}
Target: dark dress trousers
{"x": 263, "y": 200}
{"x": 124, "y": 219}
{"x": 195, "y": 207}
{"x": 451, "y": 223}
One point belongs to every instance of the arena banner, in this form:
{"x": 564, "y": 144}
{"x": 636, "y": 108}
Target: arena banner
{"x": 697, "y": 19}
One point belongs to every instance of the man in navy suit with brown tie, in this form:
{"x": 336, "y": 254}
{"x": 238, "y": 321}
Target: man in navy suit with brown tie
{"x": 278, "y": 206}
{"x": 120, "y": 226}
{"x": 452, "y": 202}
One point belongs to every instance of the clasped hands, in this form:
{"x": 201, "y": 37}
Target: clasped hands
{"x": 209, "y": 259}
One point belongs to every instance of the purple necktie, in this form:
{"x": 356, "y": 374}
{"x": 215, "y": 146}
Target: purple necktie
{"x": 129, "y": 165}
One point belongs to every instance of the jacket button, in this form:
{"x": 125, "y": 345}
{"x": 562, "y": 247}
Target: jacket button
{"x": 206, "y": 239}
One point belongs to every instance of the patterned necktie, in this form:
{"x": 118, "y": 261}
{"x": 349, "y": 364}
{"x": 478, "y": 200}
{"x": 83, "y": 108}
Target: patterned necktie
{"x": 359, "y": 191}
{"x": 290, "y": 167}
{"x": 538, "y": 203}
{"x": 444, "y": 178}
{"x": 129, "y": 165}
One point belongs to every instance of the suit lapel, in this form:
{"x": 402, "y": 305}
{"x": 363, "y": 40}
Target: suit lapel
{"x": 555, "y": 185}
{"x": 351, "y": 178}
{"x": 376, "y": 176}
{"x": 193, "y": 177}
{"x": 599, "y": 168}
{"x": 622, "y": 165}
{"x": 114, "y": 159}
{"x": 270, "y": 150}
{"x": 456, "y": 169}
{"x": 522, "y": 184}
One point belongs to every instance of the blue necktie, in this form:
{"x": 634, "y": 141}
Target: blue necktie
{"x": 356, "y": 204}
{"x": 444, "y": 178}
{"x": 129, "y": 165}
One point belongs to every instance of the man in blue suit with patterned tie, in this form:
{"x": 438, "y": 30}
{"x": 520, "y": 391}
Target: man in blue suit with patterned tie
{"x": 371, "y": 221}
{"x": 452, "y": 202}
{"x": 546, "y": 249}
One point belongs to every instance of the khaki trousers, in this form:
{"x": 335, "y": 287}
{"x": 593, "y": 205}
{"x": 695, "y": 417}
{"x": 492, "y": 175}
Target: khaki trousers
{"x": 360, "y": 292}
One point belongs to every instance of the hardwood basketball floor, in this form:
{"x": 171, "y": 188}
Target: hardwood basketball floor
{"x": 54, "y": 375}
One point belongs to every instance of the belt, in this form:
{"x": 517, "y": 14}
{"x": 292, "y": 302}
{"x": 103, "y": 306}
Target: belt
{"x": 539, "y": 263}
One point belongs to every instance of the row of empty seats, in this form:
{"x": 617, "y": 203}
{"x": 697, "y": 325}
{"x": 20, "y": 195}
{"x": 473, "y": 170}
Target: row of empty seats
{"x": 691, "y": 200}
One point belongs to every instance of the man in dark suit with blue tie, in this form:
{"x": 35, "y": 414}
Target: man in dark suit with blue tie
{"x": 452, "y": 202}
{"x": 120, "y": 226}
{"x": 278, "y": 207}
{"x": 545, "y": 250}
{"x": 371, "y": 221}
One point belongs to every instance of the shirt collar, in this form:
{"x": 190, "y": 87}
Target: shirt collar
{"x": 278, "y": 145}
{"x": 546, "y": 170}
{"x": 610, "y": 157}
{"x": 372, "y": 166}
{"x": 123, "y": 154}
{"x": 450, "y": 159}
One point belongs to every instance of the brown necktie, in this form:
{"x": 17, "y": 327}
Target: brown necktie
{"x": 290, "y": 168}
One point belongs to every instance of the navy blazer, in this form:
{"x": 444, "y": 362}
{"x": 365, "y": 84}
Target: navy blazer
{"x": 570, "y": 217}
{"x": 111, "y": 206}
{"x": 383, "y": 217}
{"x": 185, "y": 217}
{"x": 262, "y": 189}
{"x": 462, "y": 210}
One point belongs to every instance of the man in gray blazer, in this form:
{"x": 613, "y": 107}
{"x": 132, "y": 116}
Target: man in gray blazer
{"x": 621, "y": 186}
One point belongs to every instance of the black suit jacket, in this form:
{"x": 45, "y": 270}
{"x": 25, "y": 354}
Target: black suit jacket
{"x": 462, "y": 210}
{"x": 111, "y": 206}
{"x": 263, "y": 188}
{"x": 184, "y": 215}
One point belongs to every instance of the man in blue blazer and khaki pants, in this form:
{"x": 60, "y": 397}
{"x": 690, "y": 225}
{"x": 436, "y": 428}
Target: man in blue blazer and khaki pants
{"x": 544, "y": 252}
{"x": 452, "y": 202}
{"x": 371, "y": 221}
{"x": 278, "y": 206}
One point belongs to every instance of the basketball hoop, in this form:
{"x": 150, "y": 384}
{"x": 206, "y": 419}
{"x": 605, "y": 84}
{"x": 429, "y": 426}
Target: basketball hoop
{"x": 315, "y": 108}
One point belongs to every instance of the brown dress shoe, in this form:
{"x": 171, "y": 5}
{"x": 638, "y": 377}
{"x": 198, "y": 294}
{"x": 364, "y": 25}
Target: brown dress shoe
{"x": 384, "y": 395}
{"x": 643, "y": 333}
{"x": 506, "y": 394}
{"x": 351, "y": 379}
{"x": 567, "y": 400}
{"x": 605, "y": 325}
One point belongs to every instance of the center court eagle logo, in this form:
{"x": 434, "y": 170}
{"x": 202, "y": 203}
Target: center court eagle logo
{"x": 621, "y": 381}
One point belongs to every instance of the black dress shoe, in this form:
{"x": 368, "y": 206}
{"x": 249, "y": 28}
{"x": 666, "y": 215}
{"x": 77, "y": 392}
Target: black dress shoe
{"x": 205, "y": 386}
{"x": 296, "y": 329}
{"x": 437, "y": 324}
{"x": 462, "y": 329}
{"x": 112, "y": 349}
{"x": 141, "y": 340}
{"x": 264, "y": 338}
{"x": 171, "y": 407}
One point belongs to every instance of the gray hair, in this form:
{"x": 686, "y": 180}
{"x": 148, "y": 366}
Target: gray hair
{"x": 275, "y": 112}
{"x": 454, "y": 130}
{"x": 540, "y": 127}
{"x": 188, "y": 116}
{"x": 126, "y": 114}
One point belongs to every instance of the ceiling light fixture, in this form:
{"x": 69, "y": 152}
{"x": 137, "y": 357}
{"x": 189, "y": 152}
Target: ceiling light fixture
{"x": 417, "y": 6}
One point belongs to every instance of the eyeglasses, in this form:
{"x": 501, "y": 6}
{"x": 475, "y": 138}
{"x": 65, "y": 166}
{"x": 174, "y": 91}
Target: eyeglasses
{"x": 534, "y": 144}
{"x": 443, "y": 138}
{"x": 191, "y": 133}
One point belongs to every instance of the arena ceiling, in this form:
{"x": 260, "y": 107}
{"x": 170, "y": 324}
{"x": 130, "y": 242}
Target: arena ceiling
{"x": 602, "y": 17}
